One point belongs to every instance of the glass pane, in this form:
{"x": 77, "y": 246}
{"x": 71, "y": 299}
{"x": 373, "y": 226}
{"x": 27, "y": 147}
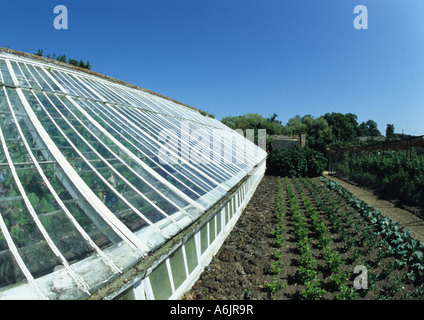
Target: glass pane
{"x": 218, "y": 222}
{"x": 4, "y": 74}
{"x": 161, "y": 285}
{"x": 10, "y": 273}
{"x": 204, "y": 244}
{"x": 212, "y": 230}
{"x": 191, "y": 254}
{"x": 176, "y": 260}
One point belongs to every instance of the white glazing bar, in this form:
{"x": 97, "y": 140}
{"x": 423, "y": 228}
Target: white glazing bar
{"x": 237, "y": 146}
{"x": 161, "y": 119}
{"x": 33, "y": 78}
{"x": 6, "y": 77}
{"x": 135, "y": 158}
{"x": 26, "y": 76}
{"x": 173, "y": 149}
{"x": 80, "y": 282}
{"x": 36, "y": 74}
{"x": 127, "y": 93}
{"x": 186, "y": 113}
{"x": 179, "y": 193}
{"x": 147, "y": 99}
{"x": 204, "y": 120}
{"x": 124, "y": 163}
{"x": 9, "y": 240}
{"x": 183, "y": 250}
{"x": 217, "y": 172}
{"x": 17, "y": 69}
{"x": 84, "y": 190}
{"x": 1, "y": 77}
{"x": 171, "y": 277}
{"x": 42, "y": 77}
{"x": 148, "y": 289}
{"x": 174, "y": 153}
{"x": 58, "y": 74}
{"x": 15, "y": 253}
{"x": 98, "y": 174}
{"x": 151, "y": 99}
{"x": 72, "y": 79}
{"x": 113, "y": 169}
{"x": 139, "y": 101}
{"x": 161, "y": 126}
{"x": 80, "y": 91}
{"x": 99, "y": 92}
{"x": 116, "y": 126}
{"x": 60, "y": 77}
{"x": 182, "y": 111}
{"x": 238, "y": 165}
{"x": 104, "y": 258}
{"x": 110, "y": 95}
{"x": 128, "y": 152}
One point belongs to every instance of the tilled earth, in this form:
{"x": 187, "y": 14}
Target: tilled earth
{"x": 240, "y": 269}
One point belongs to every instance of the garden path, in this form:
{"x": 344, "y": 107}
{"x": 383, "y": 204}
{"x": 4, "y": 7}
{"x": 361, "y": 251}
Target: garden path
{"x": 405, "y": 218}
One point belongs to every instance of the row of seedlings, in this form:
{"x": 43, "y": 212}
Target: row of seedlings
{"x": 308, "y": 266}
{"x": 406, "y": 263}
{"x": 334, "y": 262}
{"x": 279, "y": 236}
{"x": 364, "y": 245}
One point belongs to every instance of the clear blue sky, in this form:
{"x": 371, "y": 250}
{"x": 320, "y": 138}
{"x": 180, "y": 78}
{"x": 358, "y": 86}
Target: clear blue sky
{"x": 231, "y": 57}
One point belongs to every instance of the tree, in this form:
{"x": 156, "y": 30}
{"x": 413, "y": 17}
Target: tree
{"x": 318, "y": 133}
{"x": 61, "y": 58}
{"x": 273, "y": 118}
{"x": 343, "y": 126}
{"x": 333, "y": 130}
{"x": 390, "y": 131}
{"x": 73, "y": 62}
{"x": 295, "y": 126}
{"x": 254, "y": 121}
{"x": 368, "y": 129}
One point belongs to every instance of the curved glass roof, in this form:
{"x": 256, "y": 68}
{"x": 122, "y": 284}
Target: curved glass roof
{"x": 95, "y": 174}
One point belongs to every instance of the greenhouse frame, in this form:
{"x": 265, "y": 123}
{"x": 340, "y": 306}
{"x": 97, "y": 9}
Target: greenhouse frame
{"x": 109, "y": 190}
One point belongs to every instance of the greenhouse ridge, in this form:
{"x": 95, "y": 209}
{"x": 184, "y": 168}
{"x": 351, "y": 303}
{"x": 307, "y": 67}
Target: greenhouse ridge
{"x": 98, "y": 174}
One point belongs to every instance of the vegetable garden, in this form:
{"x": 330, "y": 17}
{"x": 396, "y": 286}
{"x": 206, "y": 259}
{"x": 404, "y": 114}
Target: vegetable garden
{"x": 396, "y": 175}
{"x": 303, "y": 238}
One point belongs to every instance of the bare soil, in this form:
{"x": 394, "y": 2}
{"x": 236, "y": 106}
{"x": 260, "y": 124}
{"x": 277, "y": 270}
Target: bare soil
{"x": 241, "y": 268}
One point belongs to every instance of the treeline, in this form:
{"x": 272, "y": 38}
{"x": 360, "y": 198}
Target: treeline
{"x": 332, "y": 130}
{"x": 62, "y": 58}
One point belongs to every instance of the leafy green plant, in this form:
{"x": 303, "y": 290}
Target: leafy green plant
{"x": 338, "y": 278}
{"x": 396, "y": 241}
{"x": 333, "y": 260}
{"x": 278, "y": 254}
{"x": 313, "y": 290}
{"x": 275, "y": 285}
{"x": 276, "y": 267}
{"x": 346, "y": 292}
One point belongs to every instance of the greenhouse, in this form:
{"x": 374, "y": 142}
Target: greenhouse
{"x": 109, "y": 190}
